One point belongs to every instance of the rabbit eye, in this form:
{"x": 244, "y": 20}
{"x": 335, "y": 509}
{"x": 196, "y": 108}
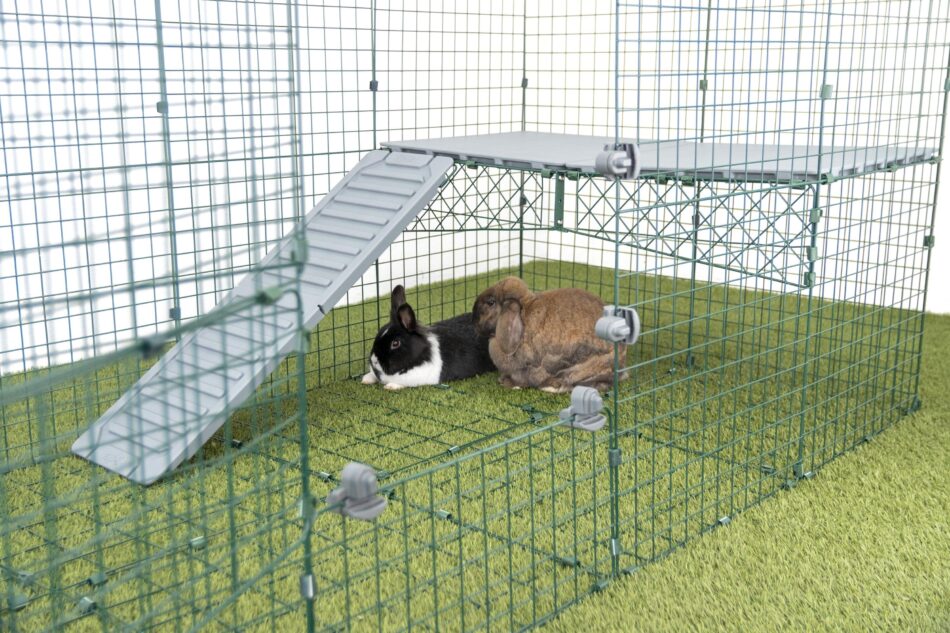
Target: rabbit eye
{"x": 395, "y": 344}
{"x": 490, "y": 301}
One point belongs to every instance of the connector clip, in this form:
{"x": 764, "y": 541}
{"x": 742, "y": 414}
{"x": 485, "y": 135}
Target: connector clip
{"x": 618, "y": 325}
{"x": 357, "y": 497}
{"x": 622, "y": 161}
{"x": 585, "y": 410}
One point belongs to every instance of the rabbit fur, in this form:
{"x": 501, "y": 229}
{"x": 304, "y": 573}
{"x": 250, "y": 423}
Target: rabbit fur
{"x": 545, "y": 339}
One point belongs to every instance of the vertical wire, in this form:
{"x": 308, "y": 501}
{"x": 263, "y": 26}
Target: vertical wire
{"x": 696, "y": 219}
{"x": 524, "y": 100}
{"x": 169, "y": 181}
{"x": 613, "y": 443}
{"x": 293, "y": 58}
{"x": 931, "y": 222}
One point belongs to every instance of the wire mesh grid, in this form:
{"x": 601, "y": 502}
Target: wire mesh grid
{"x": 154, "y": 152}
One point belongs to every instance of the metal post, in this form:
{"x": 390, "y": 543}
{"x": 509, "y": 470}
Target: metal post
{"x": 798, "y": 468}
{"x": 162, "y": 107}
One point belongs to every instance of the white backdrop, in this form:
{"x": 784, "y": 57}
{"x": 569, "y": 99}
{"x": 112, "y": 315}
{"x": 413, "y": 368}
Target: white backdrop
{"x": 406, "y": 111}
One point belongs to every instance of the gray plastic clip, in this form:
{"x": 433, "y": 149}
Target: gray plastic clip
{"x": 615, "y": 547}
{"x": 584, "y": 412}
{"x": 308, "y": 587}
{"x": 357, "y": 496}
{"x": 17, "y": 601}
{"x": 25, "y": 578}
{"x": 86, "y": 605}
{"x": 622, "y": 161}
{"x": 623, "y": 327}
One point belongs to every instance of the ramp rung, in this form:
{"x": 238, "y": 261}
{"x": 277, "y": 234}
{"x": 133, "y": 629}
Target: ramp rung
{"x": 232, "y": 374}
{"x": 149, "y": 432}
{"x": 157, "y": 412}
{"x": 188, "y": 399}
{"x": 242, "y": 335}
{"x": 337, "y": 246}
{"x": 203, "y": 386}
{"x": 322, "y": 267}
{"x": 351, "y": 213}
{"x": 360, "y": 199}
{"x": 373, "y": 185}
{"x": 411, "y": 161}
{"x": 148, "y": 435}
{"x": 326, "y": 258}
{"x": 232, "y": 360}
{"x": 171, "y": 387}
{"x": 144, "y": 440}
{"x": 344, "y": 244}
{"x": 405, "y": 177}
{"x": 316, "y": 280}
{"x": 342, "y": 228}
{"x": 275, "y": 279}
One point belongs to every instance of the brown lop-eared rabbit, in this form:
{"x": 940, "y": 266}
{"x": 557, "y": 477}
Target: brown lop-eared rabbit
{"x": 545, "y": 339}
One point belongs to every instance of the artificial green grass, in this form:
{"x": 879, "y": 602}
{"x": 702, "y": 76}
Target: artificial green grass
{"x": 496, "y": 513}
{"x": 864, "y": 546}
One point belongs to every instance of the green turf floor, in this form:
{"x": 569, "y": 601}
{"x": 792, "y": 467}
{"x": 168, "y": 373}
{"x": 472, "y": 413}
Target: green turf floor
{"x": 865, "y": 546}
{"x": 497, "y": 514}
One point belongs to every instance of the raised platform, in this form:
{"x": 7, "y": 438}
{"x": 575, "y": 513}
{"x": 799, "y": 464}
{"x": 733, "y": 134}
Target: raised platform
{"x": 705, "y": 161}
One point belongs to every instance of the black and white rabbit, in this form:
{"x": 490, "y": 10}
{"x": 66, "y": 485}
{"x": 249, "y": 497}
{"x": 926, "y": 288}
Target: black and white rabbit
{"x": 409, "y": 354}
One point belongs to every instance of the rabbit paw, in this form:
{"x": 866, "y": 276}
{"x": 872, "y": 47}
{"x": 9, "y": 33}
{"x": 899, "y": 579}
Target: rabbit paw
{"x": 505, "y": 381}
{"x": 369, "y": 378}
{"x": 394, "y": 386}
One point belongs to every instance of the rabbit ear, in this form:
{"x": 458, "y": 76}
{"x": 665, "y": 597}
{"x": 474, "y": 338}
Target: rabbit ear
{"x": 398, "y": 300}
{"x": 407, "y": 317}
{"x": 513, "y": 288}
{"x": 510, "y": 329}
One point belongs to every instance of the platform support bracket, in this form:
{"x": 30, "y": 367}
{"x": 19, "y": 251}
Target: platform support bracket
{"x": 559, "y": 202}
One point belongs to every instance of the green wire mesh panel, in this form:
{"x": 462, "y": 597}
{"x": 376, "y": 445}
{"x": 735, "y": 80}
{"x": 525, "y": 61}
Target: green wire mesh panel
{"x": 151, "y": 158}
{"x": 786, "y": 319}
{"x": 155, "y": 152}
{"x": 500, "y": 538}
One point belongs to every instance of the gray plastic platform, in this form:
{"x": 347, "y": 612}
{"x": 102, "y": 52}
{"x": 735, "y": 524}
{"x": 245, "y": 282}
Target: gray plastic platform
{"x": 708, "y": 161}
{"x": 185, "y": 398}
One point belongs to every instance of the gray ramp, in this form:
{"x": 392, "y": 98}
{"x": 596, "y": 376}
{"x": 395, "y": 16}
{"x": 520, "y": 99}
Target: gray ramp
{"x": 186, "y": 397}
